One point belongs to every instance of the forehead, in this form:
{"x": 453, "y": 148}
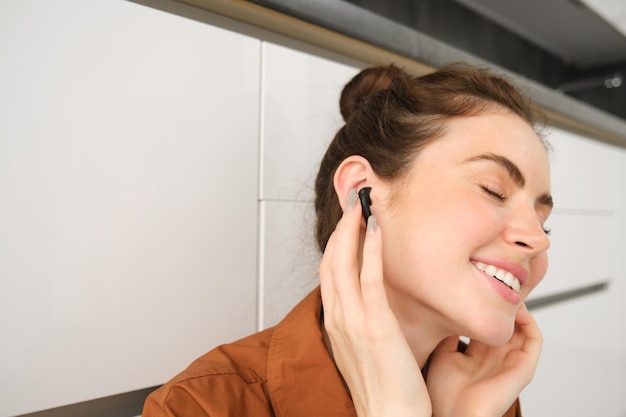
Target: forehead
{"x": 501, "y": 133}
{"x": 491, "y": 131}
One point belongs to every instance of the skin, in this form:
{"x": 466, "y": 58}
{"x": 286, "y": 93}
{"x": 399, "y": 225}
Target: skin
{"x": 403, "y": 292}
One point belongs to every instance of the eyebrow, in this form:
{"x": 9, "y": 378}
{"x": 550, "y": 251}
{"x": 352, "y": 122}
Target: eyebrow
{"x": 514, "y": 172}
{"x": 546, "y": 200}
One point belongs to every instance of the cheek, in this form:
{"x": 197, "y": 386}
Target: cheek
{"x": 435, "y": 238}
{"x": 474, "y": 223}
{"x": 437, "y": 230}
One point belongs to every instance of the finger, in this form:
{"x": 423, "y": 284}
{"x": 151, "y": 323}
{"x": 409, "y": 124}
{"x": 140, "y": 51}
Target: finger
{"x": 477, "y": 350}
{"x": 327, "y": 285}
{"x": 339, "y": 278}
{"x": 372, "y": 287}
{"x": 448, "y": 345}
{"x": 343, "y": 262}
{"x": 526, "y": 325}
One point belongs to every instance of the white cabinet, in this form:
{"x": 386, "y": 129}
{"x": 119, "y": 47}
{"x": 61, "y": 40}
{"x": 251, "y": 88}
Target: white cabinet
{"x": 300, "y": 117}
{"x": 583, "y": 185}
{"x": 583, "y": 363}
{"x": 291, "y": 258}
{"x": 583, "y": 173}
{"x": 128, "y": 216}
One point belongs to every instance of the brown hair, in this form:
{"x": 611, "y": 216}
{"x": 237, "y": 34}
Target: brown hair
{"x": 391, "y": 116}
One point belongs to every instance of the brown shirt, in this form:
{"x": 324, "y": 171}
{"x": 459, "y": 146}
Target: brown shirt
{"x": 284, "y": 371}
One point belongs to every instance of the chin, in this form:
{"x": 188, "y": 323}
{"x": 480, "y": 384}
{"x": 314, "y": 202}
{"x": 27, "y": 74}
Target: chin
{"x": 495, "y": 334}
{"x": 498, "y": 340}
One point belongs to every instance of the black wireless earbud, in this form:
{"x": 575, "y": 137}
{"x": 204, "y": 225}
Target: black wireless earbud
{"x": 366, "y": 202}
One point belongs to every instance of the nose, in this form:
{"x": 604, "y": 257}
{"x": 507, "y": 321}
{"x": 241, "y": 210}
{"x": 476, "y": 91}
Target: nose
{"x": 526, "y": 231}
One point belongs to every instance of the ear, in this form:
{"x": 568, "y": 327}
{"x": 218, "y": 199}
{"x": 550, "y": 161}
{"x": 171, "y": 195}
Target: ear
{"x": 353, "y": 172}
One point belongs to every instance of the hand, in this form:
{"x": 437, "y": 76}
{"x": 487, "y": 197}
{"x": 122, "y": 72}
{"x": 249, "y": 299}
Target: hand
{"x": 485, "y": 380}
{"x": 367, "y": 343}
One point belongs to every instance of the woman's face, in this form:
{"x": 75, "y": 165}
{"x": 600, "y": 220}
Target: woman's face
{"x": 468, "y": 216}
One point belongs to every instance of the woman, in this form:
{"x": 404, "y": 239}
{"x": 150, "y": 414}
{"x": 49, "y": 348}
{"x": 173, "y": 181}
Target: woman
{"x": 460, "y": 191}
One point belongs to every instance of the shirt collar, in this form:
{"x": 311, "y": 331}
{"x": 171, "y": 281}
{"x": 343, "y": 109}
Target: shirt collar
{"x": 302, "y": 378}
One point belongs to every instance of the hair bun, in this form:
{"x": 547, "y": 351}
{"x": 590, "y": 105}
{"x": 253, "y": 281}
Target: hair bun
{"x": 366, "y": 83}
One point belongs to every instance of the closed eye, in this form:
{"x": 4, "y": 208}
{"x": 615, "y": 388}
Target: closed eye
{"x": 500, "y": 197}
{"x": 493, "y": 193}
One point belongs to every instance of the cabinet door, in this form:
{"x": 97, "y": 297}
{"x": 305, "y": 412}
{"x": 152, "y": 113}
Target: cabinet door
{"x": 584, "y": 338}
{"x": 128, "y": 216}
{"x": 584, "y": 217}
{"x": 301, "y": 116}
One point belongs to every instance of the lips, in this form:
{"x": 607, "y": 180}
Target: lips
{"x": 502, "y": 275}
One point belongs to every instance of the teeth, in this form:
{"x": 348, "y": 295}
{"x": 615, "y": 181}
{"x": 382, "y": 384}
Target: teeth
{"x": 501, "y": 275}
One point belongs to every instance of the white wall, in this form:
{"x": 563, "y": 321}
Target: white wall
{"x": 156, "y": 176}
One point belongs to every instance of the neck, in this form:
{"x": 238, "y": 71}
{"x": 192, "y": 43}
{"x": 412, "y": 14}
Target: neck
{"x": 422, "y": 327}
{"x": 420, "y": 337}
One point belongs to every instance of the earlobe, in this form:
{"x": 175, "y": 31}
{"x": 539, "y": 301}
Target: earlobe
{"x": 352, "y": 173}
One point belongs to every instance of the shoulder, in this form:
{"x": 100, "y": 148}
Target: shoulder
{"x": 228, "y": 377}
{"x": 232, "y": 379}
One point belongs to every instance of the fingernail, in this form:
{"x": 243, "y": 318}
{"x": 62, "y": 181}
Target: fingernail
{"x": 351, "y": 200}
{"x": 371, "y": 225}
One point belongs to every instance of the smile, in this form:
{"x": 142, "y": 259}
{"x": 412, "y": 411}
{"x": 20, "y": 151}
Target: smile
{"x": 501, "y": 275}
